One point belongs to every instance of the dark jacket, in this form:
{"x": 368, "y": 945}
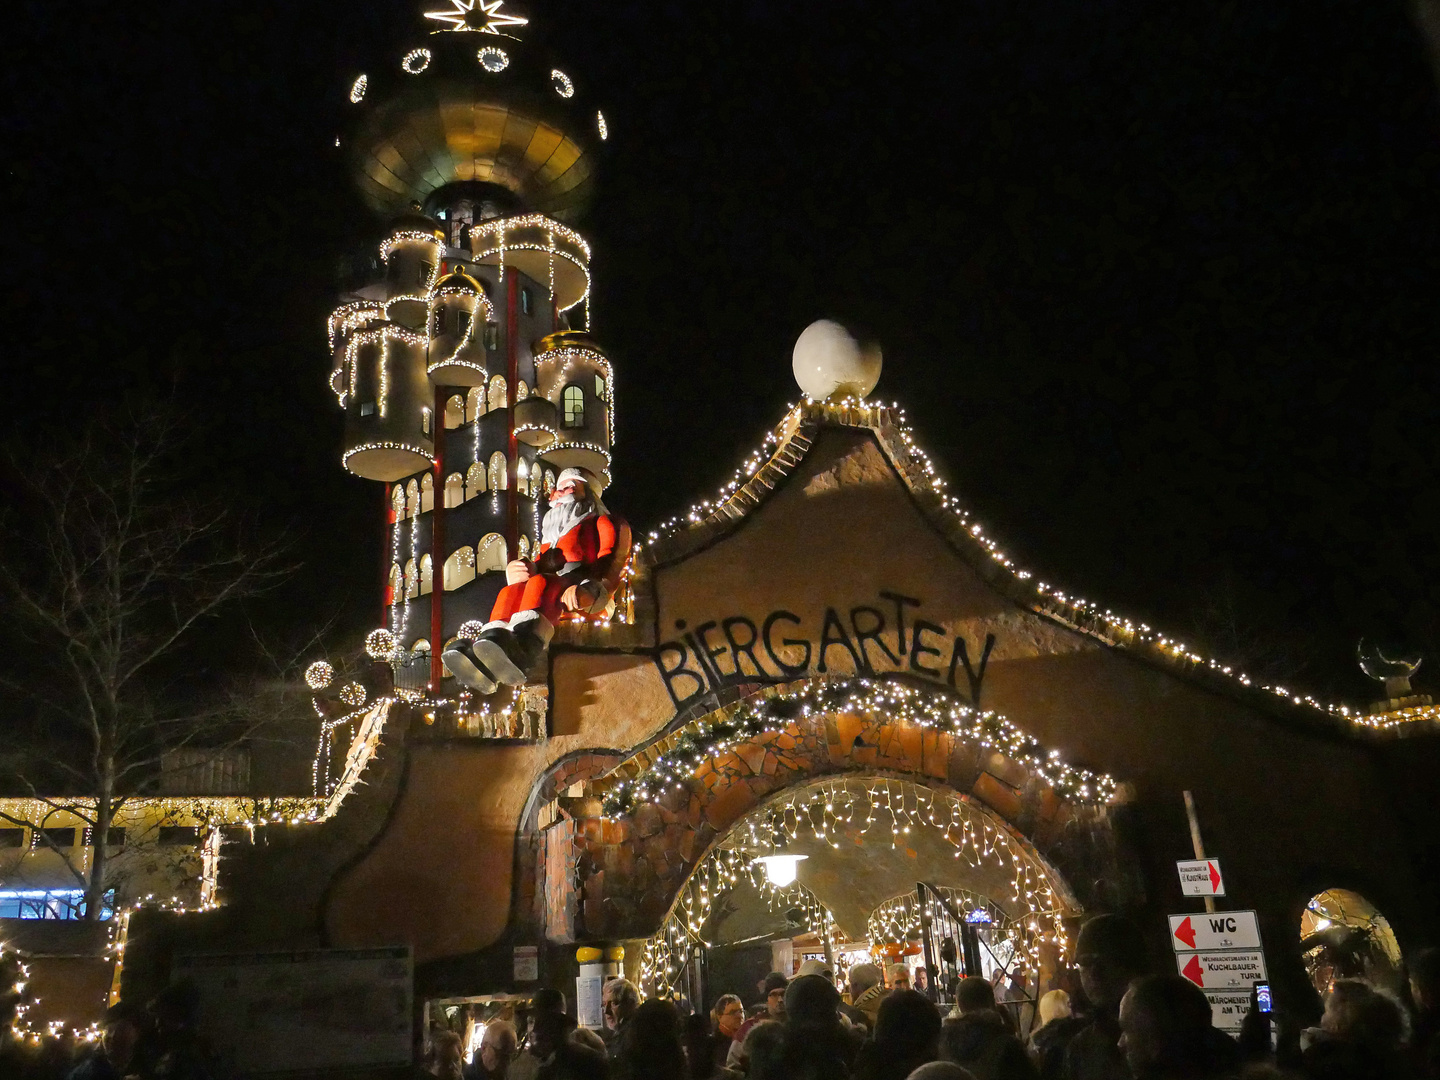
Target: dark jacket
{"x": 982, "y": 1043}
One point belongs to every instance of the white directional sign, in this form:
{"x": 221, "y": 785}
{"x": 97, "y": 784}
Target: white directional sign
{"x": 1201, "y": 877}
{"x": 1236, "y": 969}
{"x": 1217, "y": 930}
{"x": 1228, "y": 1009}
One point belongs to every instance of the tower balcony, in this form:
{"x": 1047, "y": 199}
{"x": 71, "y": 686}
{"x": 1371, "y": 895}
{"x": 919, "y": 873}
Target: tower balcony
{"x": 539, "y": 247}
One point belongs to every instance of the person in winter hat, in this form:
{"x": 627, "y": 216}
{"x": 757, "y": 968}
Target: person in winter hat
{"x": 576, "y": 568}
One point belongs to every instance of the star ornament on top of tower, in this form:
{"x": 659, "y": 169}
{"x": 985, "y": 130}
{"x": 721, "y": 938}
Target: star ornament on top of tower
{"x": 476, "y": 17}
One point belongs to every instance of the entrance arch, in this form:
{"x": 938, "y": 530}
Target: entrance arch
{"x": 864, "y": 841}
{"x": 668, "y": 805}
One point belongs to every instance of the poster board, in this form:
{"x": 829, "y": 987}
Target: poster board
{"x": 311, "y": 1009}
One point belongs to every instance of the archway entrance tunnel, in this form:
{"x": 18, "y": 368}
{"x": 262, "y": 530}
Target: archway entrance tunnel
{"x": 890, "y": 871}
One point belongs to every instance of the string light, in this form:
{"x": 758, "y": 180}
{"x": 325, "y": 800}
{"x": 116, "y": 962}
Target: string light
{"x": 706, "y": 740}
{"x": 492, "y": 59}
{"x": 416, "y": 61}
{"x": 357, "y": 89}
{"x": 600, "y": 124}
{"x": 532, "y": 232}
{"x": 384, "y": 445}
{"x": 318, "y": 675}
{"x": 380, "y": 644}
{"x": 476, "y": 17}
{"x": 790, "y": 439}
{"x": 353, "y": 694}
{"x": 563, "y": 86}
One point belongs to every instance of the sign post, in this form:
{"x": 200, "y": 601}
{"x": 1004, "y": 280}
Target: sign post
{"x": 1221, "y": 953}
{"x": 1201, "y": 877}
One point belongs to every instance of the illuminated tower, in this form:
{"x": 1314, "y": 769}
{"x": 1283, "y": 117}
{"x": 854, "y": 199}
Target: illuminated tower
{"x": 463, "y": 362}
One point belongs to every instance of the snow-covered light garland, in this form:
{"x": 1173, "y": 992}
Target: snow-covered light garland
{"x": 1075, "y": 611}
{"x": 895, "y": 702}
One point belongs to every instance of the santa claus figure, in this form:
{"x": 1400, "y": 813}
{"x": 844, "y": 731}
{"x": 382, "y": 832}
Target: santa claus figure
{"x": 576, "y": 568}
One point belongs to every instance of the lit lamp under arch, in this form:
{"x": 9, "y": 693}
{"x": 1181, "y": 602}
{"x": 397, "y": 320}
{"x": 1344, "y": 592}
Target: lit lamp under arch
{"x": 781, "y": 868}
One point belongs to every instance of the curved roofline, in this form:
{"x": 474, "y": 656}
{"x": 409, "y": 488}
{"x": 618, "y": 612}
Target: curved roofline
{"x": 789, "y": 444}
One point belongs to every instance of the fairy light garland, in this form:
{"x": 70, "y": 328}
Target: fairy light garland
{"x": 708, "y": 739}
{"x": 1074, "y": 611}
{"x": 568, "y": 356}
{"x": 415, "y": 61}
{"x": 357, "y": 89}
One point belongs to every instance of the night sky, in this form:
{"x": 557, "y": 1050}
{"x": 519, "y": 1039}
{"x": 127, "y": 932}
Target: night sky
{"x": 1157, "y": 286}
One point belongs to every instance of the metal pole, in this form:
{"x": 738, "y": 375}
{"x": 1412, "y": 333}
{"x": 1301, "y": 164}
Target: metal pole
{"x": 1195, "y": 839}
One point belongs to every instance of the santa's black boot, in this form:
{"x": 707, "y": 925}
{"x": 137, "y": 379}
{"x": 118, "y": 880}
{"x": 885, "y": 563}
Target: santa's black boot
{"x": 461, "y": 662}
{"x": 510, "y": 654}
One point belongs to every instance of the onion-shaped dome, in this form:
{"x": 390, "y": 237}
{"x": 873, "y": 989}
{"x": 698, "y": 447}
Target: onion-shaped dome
{"x": 467, "y": 117}
{"x": 461, "y": 281}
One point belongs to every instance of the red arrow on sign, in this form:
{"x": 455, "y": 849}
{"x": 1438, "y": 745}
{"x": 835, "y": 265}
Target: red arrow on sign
{"x": 1186, "y": 933}
{"x": 1194, "y": 972}
{"x": 1214, "y": 876}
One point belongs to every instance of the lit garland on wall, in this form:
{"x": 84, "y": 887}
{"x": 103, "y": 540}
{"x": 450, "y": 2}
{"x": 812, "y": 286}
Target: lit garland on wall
{"x": 601, "y": 126}
{"x": 894, "y": 702}
{"x": 357, "y": 89}
{"x": 415, "y": 61}
{"x": 492, "y": 59}
{"x": 1074, "y": 611}
{"x": 563, "y": 86}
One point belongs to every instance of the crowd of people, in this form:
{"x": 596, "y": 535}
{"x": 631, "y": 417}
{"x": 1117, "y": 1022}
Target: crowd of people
{"x": 1126, "y": 1022}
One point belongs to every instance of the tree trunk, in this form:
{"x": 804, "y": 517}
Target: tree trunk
{"x": 104, "y": 814}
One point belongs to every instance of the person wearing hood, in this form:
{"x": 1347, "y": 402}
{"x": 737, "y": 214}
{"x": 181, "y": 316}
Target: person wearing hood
{"x": 867, "y": 990}
{"x": 979, "y": 1039}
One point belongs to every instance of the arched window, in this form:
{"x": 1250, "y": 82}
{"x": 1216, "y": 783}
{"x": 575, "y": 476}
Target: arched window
{"x": 454, "y": 412}
{"x": 427, "y": 575}
{"x": 496, "y": 396}
{"x": 521, "y": 391}
{"x": 600, "y": 387}
{"x": 427, "y": 493}
{"x": 572, "y": 407}
{"x": 392, "y": 594}
{"x": 522, "y": 477}
{"x": 412, "y": 580}
{"x": 460, "y": 569}
{"x": 475, "y": 403}
{"x": 523, "y": 545}
{"x": 421, "y": 645}
{"x": 454, "y": 490}
{"x": 397, "y": 500}
{"x": 474, "y": 480}
{"x": 492, "y": 553}
{"x": 1342, "y": 936}
{"x": 412, "y": 499}
{"x": 498, "y": 479}
{"x": 549, "y": 482}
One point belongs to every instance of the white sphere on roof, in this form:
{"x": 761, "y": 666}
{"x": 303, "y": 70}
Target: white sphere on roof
{"x": 829, "y": 362}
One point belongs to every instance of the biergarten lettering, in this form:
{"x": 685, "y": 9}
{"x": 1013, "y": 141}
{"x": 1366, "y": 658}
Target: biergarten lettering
{"x": 884, "y": 638}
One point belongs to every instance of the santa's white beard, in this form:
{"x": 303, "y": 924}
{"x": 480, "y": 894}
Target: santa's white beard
{"x": 564, "y": 516}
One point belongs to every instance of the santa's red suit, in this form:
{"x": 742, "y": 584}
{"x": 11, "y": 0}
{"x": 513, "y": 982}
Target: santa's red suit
{"x": 577, "y": 567}
{"x": 586, "y": 552}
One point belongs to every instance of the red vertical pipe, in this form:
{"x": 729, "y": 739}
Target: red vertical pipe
{"x": 512, "y": 444}
{"x": 385, "y": 556}
{"x": 437, "y": 540}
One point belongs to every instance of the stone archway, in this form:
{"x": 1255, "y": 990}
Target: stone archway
{"x": 617, "y": 872}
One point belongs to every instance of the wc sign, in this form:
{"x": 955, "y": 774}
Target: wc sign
{"x": 1220, "y": 952}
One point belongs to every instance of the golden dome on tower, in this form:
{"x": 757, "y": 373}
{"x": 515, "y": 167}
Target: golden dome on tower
{"x": 469, "y": 102}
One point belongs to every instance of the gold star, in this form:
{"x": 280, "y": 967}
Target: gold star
{"x": 476, "y": 16}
